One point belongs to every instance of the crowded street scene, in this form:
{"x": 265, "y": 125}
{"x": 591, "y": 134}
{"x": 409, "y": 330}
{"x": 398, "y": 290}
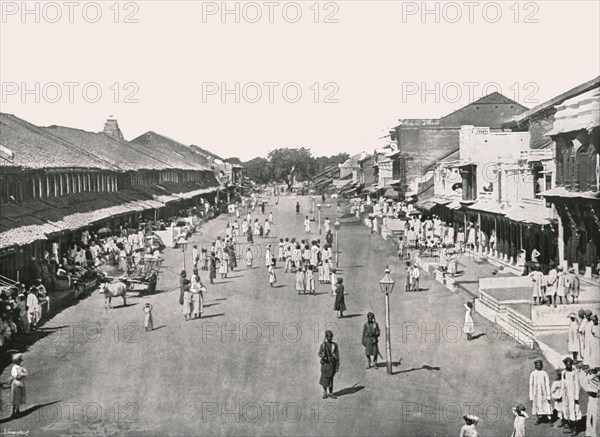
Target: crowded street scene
{"x": 433, "y": 271}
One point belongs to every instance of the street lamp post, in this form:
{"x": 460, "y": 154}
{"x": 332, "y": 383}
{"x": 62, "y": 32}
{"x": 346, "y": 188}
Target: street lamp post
{"x": 337, "y": 225}
{"x": 182, "y": 243}
{"x": 312, "y": 209}
{"x": 319, "y": 208}
{"x": 387, "y": 285}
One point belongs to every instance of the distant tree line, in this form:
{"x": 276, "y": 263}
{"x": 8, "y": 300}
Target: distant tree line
{"x": 287, "y": 165}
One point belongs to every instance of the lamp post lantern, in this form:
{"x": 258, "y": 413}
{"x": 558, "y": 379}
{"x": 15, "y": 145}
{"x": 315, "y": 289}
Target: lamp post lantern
{"x": 387, "y": 285}
{"x": 337, "y": 225}
{"x": 182, "y": 243}
{"x": 319, "y": 206}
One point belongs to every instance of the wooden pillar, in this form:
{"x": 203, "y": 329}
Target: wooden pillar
{"x": 561, "y": 243}
{"x": 478, "y": 242}
{"x": 497, "y": 236}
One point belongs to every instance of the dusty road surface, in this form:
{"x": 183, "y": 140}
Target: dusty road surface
{"x": 250, "y": 365}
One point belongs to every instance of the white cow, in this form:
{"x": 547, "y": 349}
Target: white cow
{"x": 115, "y": 289}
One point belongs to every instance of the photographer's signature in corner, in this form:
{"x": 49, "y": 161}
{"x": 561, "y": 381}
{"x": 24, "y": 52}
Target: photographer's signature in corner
{"x": 7, "y": 431}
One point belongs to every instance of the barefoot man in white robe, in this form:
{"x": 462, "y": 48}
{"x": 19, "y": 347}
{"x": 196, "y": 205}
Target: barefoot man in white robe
{"x": 539, "y": 392}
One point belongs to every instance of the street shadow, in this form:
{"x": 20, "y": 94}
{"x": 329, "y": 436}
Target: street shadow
{"x": 414, "y": 369}
{"x": 316, "y": 294}
{"x": 211, "y": 304}
{"x": 348, "y": 390}
{"x": 212, "y": 315}
{"x": 475, "y": 337}
{"x": 159, "y": 327}
{"x": 28, "y": 411}
{"x": 50, "y": 328}
{"x": 124, "y": 306}
{"x": 150, "y": 293}
{"x": 394, "y": 364}
{"x": 222, "y": 298}
{"x": 279, "y": 286}
{"x": 349, "y": 316}
{"x": 222, "y": 282}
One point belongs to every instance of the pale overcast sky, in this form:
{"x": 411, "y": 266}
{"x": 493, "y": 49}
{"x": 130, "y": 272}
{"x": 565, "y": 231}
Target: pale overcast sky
{"x": 374, "y": 60}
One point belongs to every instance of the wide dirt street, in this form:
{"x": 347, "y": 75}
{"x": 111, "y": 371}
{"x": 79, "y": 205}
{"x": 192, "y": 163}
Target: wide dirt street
{"x": 250, "y": 365}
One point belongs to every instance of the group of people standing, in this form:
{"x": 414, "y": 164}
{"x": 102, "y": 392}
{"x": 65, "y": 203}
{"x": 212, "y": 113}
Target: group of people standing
{"x": 555, "y": 286}
{"x": 559, "y": 403}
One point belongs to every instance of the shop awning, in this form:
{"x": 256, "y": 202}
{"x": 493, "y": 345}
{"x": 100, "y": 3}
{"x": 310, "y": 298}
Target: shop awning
{"x": 483, "y": 206}
{"x": 191, "y": 194}
{"x": 563, "y": 192}
{"x": 526, "y": 216}
{"x": 425, "y": 204}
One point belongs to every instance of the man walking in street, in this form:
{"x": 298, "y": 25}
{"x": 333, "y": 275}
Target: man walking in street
{"x": 415, "y": 274}
{"x": 340, "y": 302}
{"x": 330, "y": 363}
{"x": 370, "y": 338}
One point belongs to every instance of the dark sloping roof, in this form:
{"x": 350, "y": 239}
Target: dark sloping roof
{"x": 171, "y": 148}
{"x": 209, "y": 155}
{"x": 127, "y": 155}
{"x": 32, "y": 147}
{"x": 554, "y": 101}
{"x": 326, "y": 172}
{"x": 494, "y": 98}
{"x": 453, "y": 155}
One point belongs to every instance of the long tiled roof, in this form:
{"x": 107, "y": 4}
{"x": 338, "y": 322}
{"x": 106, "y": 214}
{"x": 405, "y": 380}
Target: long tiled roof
{"x": 171, "y": 149}
{"x": 32, "y": 147}
{"x": 209, "y": 155}
{"x": 126, "y": 155}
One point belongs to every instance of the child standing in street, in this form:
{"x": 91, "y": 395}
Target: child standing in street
{"x": 408, "y": 277}
{"x": 520, "y": 417}
{"x": 271, "y": 270}
{"x": 469, "y": 326}
{"x": 249, "y": 258}
{"x": 148, "y": 325}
